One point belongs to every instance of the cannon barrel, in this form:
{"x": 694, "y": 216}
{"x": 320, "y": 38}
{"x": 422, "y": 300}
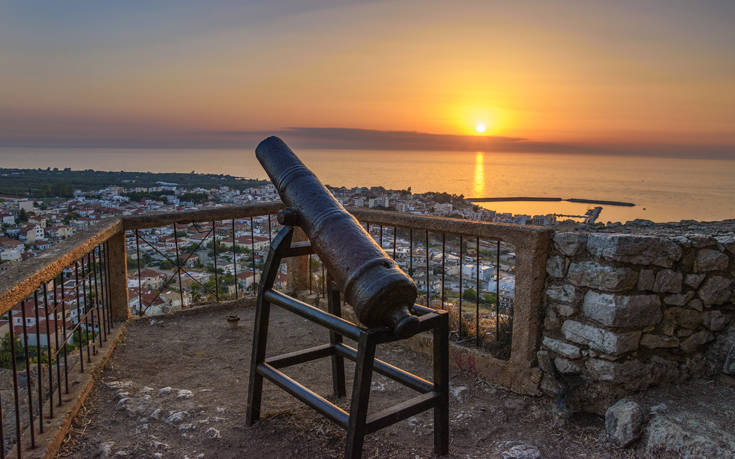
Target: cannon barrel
{"x": 376, "y": 287}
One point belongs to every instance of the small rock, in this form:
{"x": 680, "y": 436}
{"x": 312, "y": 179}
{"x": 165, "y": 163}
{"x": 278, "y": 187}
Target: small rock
{"x": 624, "y": 422}
{"x": 177, "y": 417}
{"x": 518, "y": 450}
{"x": 119, "y": 384}
{"x": 457, "y": 391}
{"x": 122, "y": 404}
{"x": 159, "y": 445}
{"x": 377, "y": 386}
{"x": 187, "y": 426}
{"x": 146, "y": 389}
{"x": 184, "y": 394}
{"x": 156, "y": 414}
{"x": 213, "y": 433}
{"x": 164, "y": 390}
{"x": 105, "y": 449}
{"x": 220, "y": 409}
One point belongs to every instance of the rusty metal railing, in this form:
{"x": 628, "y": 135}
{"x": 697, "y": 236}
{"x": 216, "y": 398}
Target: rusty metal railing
{"x": 170, "y": 246}
{"x": 58, "y": 312}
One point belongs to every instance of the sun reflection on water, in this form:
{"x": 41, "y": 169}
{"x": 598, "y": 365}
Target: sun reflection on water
{"x": 478, "y": 186}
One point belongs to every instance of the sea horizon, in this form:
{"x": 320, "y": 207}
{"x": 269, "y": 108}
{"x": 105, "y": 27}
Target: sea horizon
{"x": 663, "y": 189}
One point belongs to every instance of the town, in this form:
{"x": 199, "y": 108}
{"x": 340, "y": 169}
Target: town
{"x": 178, "y": 266}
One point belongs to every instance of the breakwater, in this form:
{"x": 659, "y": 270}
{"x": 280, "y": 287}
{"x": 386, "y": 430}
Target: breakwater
{"x": 552, "y": 199}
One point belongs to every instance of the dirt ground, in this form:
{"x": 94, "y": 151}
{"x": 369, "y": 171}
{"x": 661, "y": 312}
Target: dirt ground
{"x": 177, "y": 387}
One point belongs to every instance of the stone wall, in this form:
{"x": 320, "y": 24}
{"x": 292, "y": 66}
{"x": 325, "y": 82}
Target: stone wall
{"x": 623, "y": 312}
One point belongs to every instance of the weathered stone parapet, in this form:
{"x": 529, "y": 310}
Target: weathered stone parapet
{"x": 623, "y": 312}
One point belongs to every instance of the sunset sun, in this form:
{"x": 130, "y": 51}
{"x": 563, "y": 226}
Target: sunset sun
{"x": 480, "y": 128}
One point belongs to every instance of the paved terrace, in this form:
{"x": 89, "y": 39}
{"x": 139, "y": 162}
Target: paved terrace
{"x": 176, "y": 386}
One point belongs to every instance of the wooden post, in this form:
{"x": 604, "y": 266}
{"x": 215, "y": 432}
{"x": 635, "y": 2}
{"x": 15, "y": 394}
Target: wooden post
{"x": 118, "y": 260}
{"x": 297, "y": 268}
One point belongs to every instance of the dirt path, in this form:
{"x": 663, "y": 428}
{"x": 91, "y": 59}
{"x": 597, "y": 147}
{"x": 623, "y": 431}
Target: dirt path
{"x": 177, "y": 388}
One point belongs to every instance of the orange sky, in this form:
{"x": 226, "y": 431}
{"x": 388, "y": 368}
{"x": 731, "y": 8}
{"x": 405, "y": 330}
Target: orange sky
{"x": 601, "y": 72}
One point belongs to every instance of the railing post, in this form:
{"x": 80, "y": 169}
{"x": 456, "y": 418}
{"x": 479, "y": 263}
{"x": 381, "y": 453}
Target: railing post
{"x": 118, "y": 260}
{"x": 297, "y": 268}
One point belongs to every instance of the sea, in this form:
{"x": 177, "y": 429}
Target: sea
{"x": 662, "y": 189}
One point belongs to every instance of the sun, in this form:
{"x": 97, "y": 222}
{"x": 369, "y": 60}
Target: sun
{"x": 480, "y": 128}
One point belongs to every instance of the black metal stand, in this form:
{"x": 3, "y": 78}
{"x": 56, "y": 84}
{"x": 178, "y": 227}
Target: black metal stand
{"x": 434, "y": 395}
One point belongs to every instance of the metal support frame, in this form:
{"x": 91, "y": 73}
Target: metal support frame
{"x": 433, "y": 394}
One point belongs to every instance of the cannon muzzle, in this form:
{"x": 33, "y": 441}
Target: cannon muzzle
{"x": 376, "y": 287}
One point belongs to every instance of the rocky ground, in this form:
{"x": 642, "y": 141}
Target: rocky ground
{"x": 176, "y": 387}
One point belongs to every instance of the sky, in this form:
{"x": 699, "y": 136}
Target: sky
{"x": 646, "y": 76}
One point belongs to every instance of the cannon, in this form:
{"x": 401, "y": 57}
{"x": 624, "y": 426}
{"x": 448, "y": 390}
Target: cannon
{"x": 380, "y": 292}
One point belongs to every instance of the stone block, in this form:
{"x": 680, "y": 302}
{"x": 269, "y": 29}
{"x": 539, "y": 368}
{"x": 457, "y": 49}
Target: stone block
{"x": 624, "y": 422}
{"x": 715, "y": 320}
{"x": 684, "y": 332}
{"x": 728, "y": 242}
{"x": 691, "y": 344}
{"x": 601, "y": 277}
{"x": 556, "y": 267}
{"x": 614, "y": 310}
{"x": 565, "y": 293}
{"x": 699, "y": 241}
{"x": 616, "y": 372}
{"x": 633, "y": 248}
{"x": 564, "y": 310}
{"x": 715, "y": 290}
{"x": 551, "y": 321}
{"x": 646, "y": 278}
{"x": 696, "y": 304}
{"x": 679, "y": 299}
{"x": 566, "y": 366}
{"x": 668, "y": 281}
{"x": 544, "y": 362}
{"x": 550, "y": 386}
{"x": 651, "y": 341}
{"x": 600, "y": 339}
{"x": 694, "y": 280}
{"x": 684, "y": 317}
{"x": 570, "y": 244}
{"x": 668, "y": 327}
{"x": 710, "y": 260}
{"x": 560, "y": 347}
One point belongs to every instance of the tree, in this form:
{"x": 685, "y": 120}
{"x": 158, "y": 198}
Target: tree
{"x": 165, "y": 264}
{"x": 133, "y": 263}
{"x": 6, "y": 356}
{"x": 469, "y": 294}
{"x": 22, "y": 216}
{"x": 489, "y": 298}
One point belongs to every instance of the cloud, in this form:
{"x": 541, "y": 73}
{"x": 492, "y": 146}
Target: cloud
{"x": 370, "y": 139}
